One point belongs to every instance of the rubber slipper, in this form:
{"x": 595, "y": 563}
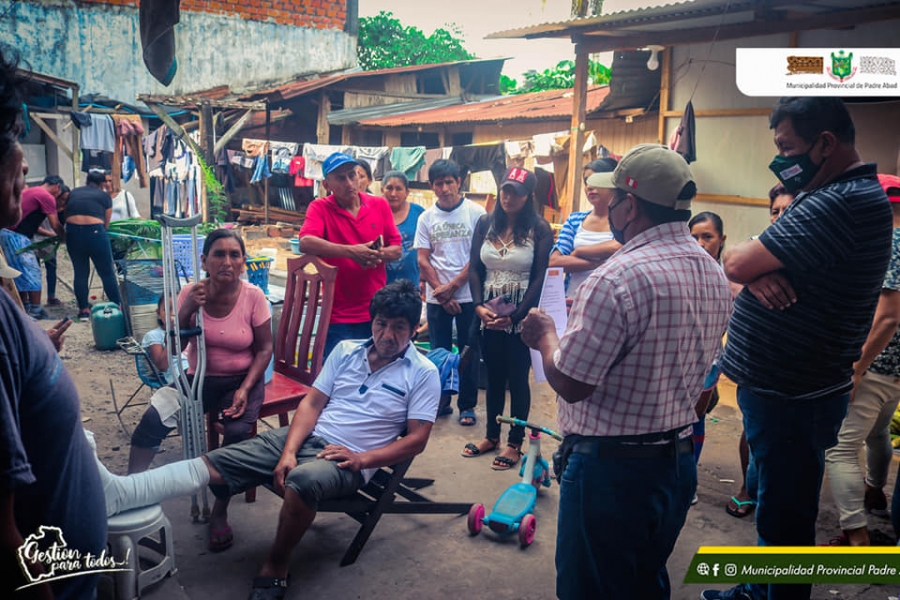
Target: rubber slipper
{"x": 502, "y": 463}
{"x": 471, "y": 450}
{"x": 467, "y": 418}
{"x": 443, "y": 412}
{"x": 269, "y": 588}
{"x": 740, "y": 512}
{"x": 220, "y": 539}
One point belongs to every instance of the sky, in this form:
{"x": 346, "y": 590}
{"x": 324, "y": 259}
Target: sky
{"x": 477, "y": 18}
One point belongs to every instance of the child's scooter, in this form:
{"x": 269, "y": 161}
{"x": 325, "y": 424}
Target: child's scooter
{"x": 514, "y": 508}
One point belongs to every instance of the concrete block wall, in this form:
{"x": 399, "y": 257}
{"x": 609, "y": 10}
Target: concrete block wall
{"x": 244, "y": 44}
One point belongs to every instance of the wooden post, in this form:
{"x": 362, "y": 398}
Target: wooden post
{"x": 207, "y": 141}
{"x": 664, "y": 85}
{"x": 576, "y": 131}
{"x": 76, "y": 142}
{"x": 322, "y": 129}
{"x": 265, "y": 157}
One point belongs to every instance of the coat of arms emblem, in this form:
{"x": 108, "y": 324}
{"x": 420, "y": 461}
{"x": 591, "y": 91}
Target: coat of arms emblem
{"x": 842, "y": 67}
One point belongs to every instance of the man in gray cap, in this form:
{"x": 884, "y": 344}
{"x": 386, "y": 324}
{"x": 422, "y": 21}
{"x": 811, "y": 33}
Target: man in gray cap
{"x": 643, "y": 331}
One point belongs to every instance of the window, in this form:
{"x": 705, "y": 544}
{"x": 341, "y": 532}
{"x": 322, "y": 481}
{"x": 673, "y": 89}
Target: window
{"x": 415, "y": 138}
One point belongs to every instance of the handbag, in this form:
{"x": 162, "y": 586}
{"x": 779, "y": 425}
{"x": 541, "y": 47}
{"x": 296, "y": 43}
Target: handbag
{"x": 500, "y": 306}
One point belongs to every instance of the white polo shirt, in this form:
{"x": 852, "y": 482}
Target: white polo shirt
{"x": 368, "y": 409}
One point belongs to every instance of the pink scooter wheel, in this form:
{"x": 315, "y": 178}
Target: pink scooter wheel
{"x": 526, "y": 530}
{"x": 476, "y": 519}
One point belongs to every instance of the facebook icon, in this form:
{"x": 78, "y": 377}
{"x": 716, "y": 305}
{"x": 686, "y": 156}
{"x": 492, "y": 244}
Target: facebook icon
{"x": 716, "y": 570}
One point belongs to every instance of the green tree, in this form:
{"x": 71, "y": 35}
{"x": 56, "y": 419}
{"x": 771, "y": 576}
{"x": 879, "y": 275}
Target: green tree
{"x": 384, "y": 42}
{"x": 560, "y": 77}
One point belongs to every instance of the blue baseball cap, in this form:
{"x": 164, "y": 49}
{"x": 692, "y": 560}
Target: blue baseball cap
{"x": 338, "y": 159}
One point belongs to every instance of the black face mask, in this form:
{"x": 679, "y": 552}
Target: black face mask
{"x": 795, "y": 172}
{"x": 617, "y": 232}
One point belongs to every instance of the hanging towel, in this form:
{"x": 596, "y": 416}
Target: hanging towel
{"x": 683, "y": 140}
{"x": 254, "y": 147}
{"x": 472, "y": 159}
{"x": 374, "y": 156}
{"x": 101, "y": 135}
{"x": 408, "y": 160}
{"x": 157, "y": 21}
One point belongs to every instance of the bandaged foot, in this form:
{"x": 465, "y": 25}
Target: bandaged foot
{"x": 123, "y": 493}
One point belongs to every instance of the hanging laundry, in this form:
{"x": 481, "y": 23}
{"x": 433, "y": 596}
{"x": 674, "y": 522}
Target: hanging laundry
{"x": 376, "y": 157}
{"x": 298, "y": 165}
{"x": 282, "y": 153}
{"x": 101, "y": 135}
{"x": 157, "y": 19}
{"x": 80, "y": 119}
{"x": 430, "y": 157}
{"x": 481, "y": 158}
{"x": 315, "y": 154}
{"x": 129, "y": 129}
{"x": 683, "y": 140}
{"x": 408, "y": 160}
{"x": 545, "y": 190}
{"x": 254, "y": 147}
{"x": 261, "y": 171}
{"x": 96, "y": 159}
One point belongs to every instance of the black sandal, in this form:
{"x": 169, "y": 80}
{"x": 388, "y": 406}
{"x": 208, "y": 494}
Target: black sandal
{"x": 473, "y": 450}
{"x": 269, "y": 588}
{"x": 502, "y": 463}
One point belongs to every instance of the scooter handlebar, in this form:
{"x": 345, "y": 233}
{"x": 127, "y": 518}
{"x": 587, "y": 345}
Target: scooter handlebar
{"x": 533, "y": 426}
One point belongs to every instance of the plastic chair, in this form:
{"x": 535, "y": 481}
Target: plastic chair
{"x": 149, "y": 375}
{"x": 129, "y": 533}
{"x": 299, "y": 343}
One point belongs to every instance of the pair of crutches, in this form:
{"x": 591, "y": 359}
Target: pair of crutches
{"x": 190, "y": 394}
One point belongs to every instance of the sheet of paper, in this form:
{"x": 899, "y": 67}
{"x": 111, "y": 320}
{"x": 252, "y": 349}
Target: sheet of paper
{"x": 553, "y": 301}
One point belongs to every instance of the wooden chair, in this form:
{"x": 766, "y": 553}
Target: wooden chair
{"x": 379, "y": 497}
{"x": 299, "y": 343}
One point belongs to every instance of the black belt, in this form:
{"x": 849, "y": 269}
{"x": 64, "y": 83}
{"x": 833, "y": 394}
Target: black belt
{"x": 608, "y": 449}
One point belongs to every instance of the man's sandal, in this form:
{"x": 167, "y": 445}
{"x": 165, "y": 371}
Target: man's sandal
{"x": 471, "y": 450}
{"x": 269, "y": 588}
{"x": 502, "y": 463}
{"x": 220, "y": 539}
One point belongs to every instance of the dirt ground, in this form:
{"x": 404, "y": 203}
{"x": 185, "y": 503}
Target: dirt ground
{"x": 411, "y": 556}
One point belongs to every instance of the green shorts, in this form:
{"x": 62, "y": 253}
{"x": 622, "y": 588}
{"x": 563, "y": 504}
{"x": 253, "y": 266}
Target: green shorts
{"x": 250, "y": 463}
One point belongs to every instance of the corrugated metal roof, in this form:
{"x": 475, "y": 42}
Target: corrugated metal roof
{"x": 350, "y": 116}
{"x": 305, "y": 86}
{"x": 691, "y": 14}
{"x": 521, "y": 107}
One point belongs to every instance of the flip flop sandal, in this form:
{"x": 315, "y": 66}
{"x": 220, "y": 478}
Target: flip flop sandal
{"x": 467, "y": 418}
{"x": 740, "y": 512}
{"x": 220, "y": 539}
{"x": 473, "y": 450}
{"x": 443, "y": 412}
{"x": 269, "y": 588}
{"x": 502, "y": 463}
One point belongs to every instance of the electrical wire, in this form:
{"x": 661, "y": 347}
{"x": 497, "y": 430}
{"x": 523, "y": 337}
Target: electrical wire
{"x": 709, "y": 52}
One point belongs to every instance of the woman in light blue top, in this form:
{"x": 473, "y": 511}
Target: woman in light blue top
{"x": 585, "y": 240}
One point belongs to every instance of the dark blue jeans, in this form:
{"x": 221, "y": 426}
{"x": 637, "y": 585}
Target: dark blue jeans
{"x": 440, "y": 332}
{"x": 788, "y": 439}
{"x": 338, "y": 332}
{"x": 618, "y": 522}
{"x": 50, "y": 265}
{"x": 89, "y": 244}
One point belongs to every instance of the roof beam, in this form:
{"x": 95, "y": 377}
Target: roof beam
{"x": 835, "y": 19}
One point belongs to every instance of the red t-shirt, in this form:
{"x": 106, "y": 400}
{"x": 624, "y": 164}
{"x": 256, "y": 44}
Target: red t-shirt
{"x": 37, "y": 204}
{"x": 355, "y": 285}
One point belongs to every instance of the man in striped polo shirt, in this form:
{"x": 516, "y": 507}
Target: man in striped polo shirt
{"x": 812, "y": 283}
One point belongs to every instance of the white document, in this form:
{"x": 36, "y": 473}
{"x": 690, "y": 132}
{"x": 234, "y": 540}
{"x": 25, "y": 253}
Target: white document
{"x": 553, "y": 301}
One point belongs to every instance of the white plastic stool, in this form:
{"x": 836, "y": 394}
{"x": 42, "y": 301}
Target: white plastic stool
{"x": 127, "y": 533}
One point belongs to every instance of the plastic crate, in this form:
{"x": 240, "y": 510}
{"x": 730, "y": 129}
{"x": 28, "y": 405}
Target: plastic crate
{"x": 181, "y": 251}
{"x": 258, "y": 272}
{"x": 143, "y": 280}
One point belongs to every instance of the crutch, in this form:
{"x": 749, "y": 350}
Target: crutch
{"x": 190, "y": 394}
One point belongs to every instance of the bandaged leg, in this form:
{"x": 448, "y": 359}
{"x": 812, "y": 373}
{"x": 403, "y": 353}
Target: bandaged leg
{"x": 150, "y": 487}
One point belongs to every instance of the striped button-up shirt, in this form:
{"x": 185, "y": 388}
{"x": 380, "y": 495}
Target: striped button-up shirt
{"x": 644, "y": 329}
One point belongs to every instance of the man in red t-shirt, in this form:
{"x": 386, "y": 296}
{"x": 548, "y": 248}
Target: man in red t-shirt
{"x": 38, "y": 203}
{"x": 355, "y": 232}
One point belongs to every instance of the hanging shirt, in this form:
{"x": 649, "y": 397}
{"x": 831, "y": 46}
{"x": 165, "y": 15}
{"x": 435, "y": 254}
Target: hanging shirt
{"x": 472, "y": 159}
{"x": 408, "y": 160}
{"x": 101, "y": 135}
{"x": 296, "y": 168}
{"x": 315, "y": 154}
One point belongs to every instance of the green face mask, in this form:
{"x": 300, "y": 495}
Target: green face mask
{"x": 794, "y": 172}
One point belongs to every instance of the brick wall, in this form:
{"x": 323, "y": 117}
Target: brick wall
{"x": 320, "y": 14}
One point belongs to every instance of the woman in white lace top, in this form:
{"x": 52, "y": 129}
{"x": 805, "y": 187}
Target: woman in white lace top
{"x": 510, "y": 252}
